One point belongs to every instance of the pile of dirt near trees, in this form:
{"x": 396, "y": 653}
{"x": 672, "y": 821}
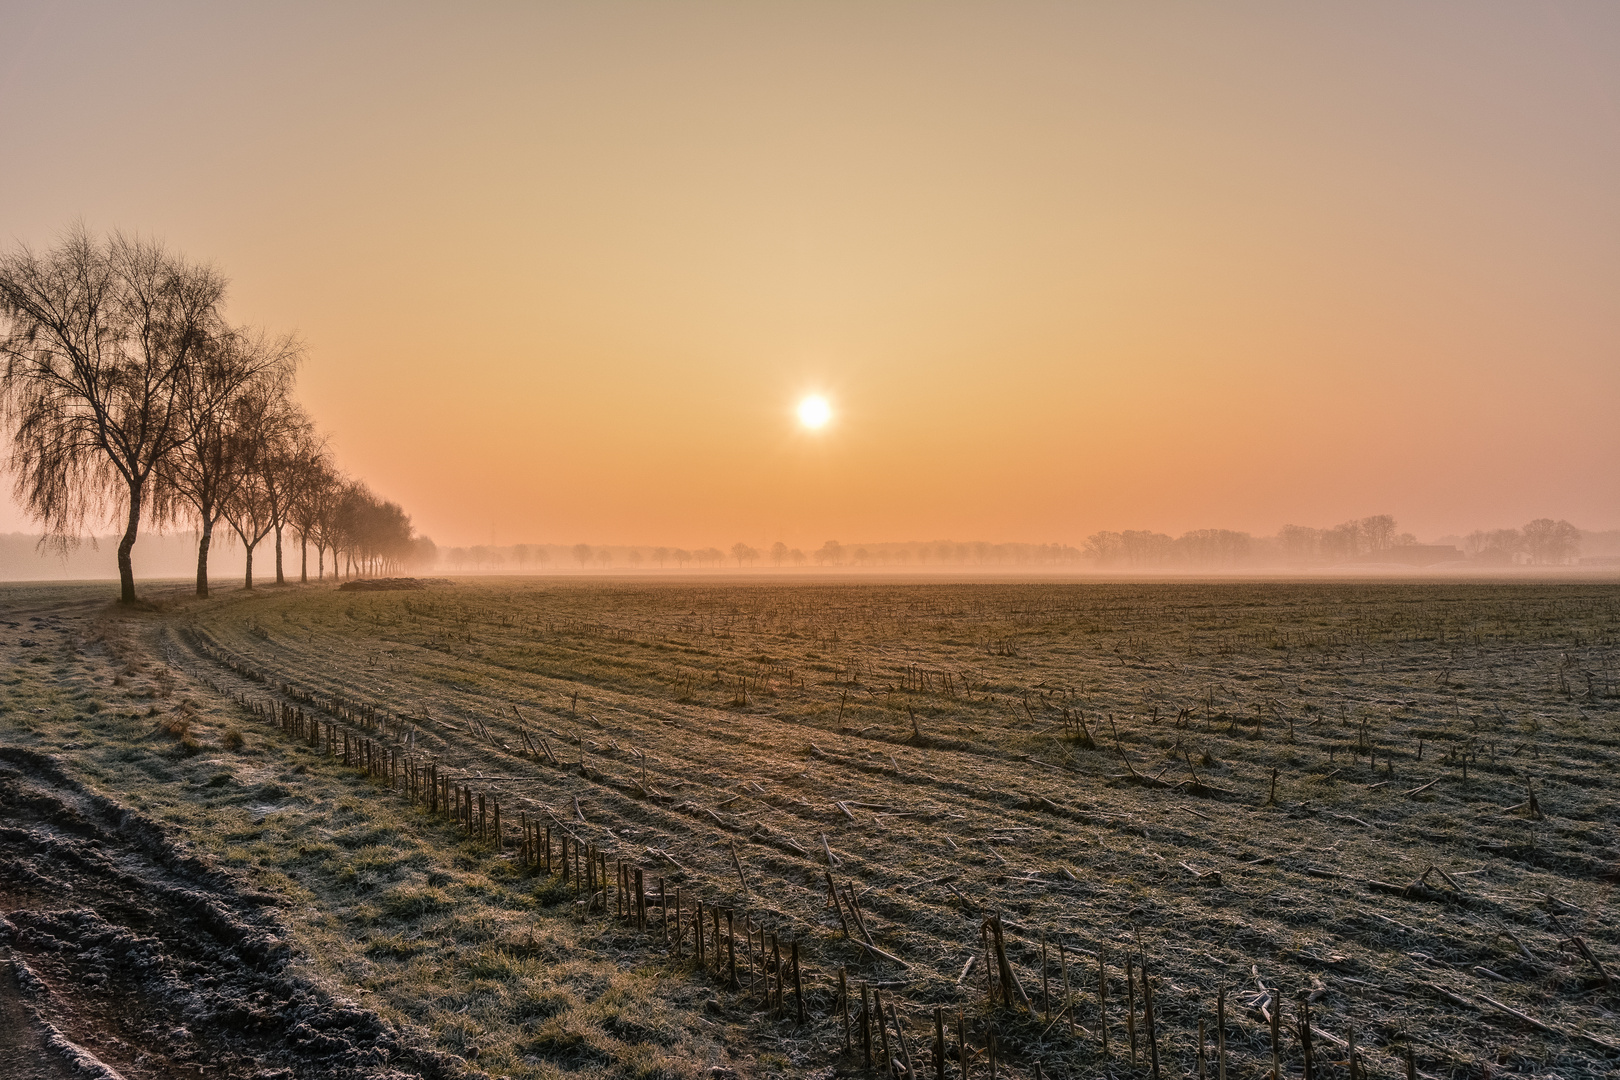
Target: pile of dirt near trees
{"x": 391, "y": 584}
{"x": 129, "y": 958}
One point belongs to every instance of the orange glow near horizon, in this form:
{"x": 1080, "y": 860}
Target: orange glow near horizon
{"x": 569, "y": 273}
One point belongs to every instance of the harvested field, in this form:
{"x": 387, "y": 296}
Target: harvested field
{"x": 1394, "y": 803}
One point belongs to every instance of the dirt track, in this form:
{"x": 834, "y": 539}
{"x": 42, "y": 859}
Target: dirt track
{"x": 129, "y": 958}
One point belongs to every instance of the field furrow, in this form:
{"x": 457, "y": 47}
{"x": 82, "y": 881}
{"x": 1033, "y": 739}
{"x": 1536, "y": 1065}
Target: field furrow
{"x": 1243, "y": 780}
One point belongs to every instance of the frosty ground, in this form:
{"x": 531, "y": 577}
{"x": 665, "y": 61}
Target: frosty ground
{"x": 1249, "y": 782}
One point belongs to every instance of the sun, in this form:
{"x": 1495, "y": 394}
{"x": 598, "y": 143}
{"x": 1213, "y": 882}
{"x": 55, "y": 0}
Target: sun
{"x": 814, "y": 412}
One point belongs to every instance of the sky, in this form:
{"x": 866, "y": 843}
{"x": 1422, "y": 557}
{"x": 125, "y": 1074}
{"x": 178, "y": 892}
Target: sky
{"x": 564, "y": 272}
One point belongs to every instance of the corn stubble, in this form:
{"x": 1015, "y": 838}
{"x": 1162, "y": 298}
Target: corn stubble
{"x": 1322, "y": 829}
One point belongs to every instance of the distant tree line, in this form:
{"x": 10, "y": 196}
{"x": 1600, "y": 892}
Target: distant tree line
{"x": 124, "y": 387}
{"x": 1139, "y": 549}
{"x": 525, "y": 558}
{"x": 1543, "y": 542}
{"x": 1369, "y": 539}
{"x": 1368, "y": 536}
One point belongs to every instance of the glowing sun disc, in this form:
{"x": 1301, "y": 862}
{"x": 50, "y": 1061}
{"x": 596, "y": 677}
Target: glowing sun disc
{"x": 814, "y": 412}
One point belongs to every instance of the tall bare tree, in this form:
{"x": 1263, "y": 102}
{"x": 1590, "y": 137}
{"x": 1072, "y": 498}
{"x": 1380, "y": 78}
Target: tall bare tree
{"x": 98, "y": 337}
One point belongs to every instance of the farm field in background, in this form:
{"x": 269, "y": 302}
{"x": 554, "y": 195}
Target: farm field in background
{"x": 1246, "y": 785}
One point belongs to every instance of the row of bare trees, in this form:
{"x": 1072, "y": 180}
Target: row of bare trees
{"x": 1142, "y": 549}
{"x": 1224, "y": 548}
{"x": 126, "y": 389}
{"x": 1542, "y": 542}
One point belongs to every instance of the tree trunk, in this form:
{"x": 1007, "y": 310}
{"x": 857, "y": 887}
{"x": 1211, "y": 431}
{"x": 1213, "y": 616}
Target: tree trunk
{"x": 202, "y": 558}
{"x": 320, "y": 562}
{"x": 303, "y": 559}
{"x": 249, "y": 565}
{"x": 280, "y": 580}
{"x": 126, "y": 570}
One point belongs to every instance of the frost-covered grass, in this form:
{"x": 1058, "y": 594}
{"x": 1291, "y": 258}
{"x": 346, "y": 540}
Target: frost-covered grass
{"x": 1078, "y": 759}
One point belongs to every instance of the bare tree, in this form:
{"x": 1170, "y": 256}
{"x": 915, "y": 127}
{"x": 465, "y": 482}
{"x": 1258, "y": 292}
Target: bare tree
{"x": 296, "y": 458}
{"x": 284, "y": 436}
{"x": 1105, "y": 548}
{"x": 313, "y": 486}
{"x": 324, "y": 494}
{"x": 582, "y": 555}
{"x": 99, "y": 336}
{"x": 198, "y": 480}
{"x": 1551, "y": 542}
{"x": 269, "y": 432}
{"x": 1378, "y": 531}
{"x": 743, "y": 553}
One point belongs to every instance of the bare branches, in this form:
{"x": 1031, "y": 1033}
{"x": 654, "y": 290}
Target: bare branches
{"x": 265, "y": 422}
{"x": 209, "y": 468}
{"x": 125, "y": 391}
{"x": 98, "y": 338}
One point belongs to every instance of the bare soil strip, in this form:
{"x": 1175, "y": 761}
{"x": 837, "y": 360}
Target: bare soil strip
{"x": 129, "y": 954}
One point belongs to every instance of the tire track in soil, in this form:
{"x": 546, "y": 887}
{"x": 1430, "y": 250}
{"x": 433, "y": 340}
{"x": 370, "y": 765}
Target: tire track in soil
{"x": 151, "y": 961}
